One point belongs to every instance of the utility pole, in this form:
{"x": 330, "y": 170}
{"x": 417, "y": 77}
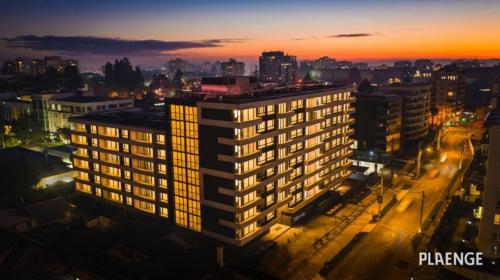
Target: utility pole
{"x": 419, "y": 160}
{"x": 438, "y": 146}
{"x": 460, "y": 164}
{"x": 380, "y": 195}
{"x": 422, "y": 211}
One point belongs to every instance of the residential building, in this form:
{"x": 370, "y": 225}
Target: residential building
{"x": 121, "y": 158}
{"x": 416, "y": 110}
{"x": 59, "y": 110}
{"x": 489, "y": 227}
{"x": 448, "y": 93}
{"x": 378, "y": 122}
{"x": 232, "y": 68}
{"x": 403, "y": 64}
{"x": 276, "y": 67}
{"x": 236, "y": 164}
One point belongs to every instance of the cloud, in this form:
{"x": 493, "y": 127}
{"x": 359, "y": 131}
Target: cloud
{"x": 109, "y": 46}
{"x": 352, "y": 35}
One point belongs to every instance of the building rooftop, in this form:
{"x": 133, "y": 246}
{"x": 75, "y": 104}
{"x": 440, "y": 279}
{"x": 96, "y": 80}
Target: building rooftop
{"x": 90, "y": 99}
{"x": 259, "y": 94}
{"x": 155, "y": 120}
{"x": 42, "y": 165}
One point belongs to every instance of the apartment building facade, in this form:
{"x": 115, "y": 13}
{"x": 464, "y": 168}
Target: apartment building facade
{"x": 120, "y": 158}
{"x": 236, "y": 165}
{"x": 416, "y": 111}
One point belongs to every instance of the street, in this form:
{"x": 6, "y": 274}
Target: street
{"x": 387, "y": 251}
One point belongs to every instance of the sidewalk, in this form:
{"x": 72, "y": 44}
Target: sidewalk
{"x": 302, "y": 251}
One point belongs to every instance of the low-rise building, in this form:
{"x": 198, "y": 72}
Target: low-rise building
{"x": 59, "y": 110}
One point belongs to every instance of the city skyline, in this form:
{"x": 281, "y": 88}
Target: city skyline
{"x": 153, "y": 32}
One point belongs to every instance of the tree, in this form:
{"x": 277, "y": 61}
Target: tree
{"x": 122, "y": 77}
{"x": 72, "y": 79}
{"x": 177, "y": 80}
{"x": 365, "y": 87}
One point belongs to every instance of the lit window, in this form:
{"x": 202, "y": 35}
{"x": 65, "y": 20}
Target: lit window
{"x": 497, "y": 219}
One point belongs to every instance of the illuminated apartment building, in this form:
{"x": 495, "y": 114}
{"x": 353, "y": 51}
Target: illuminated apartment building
{"x": 264, "y": 158}
{"x": 121, "y": 158}
{"x": 236, "y": 164}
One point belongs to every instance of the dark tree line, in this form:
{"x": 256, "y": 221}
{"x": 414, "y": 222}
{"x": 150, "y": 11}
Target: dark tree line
{"x": 121, "y": 76}
{"x": 69, "y": 80}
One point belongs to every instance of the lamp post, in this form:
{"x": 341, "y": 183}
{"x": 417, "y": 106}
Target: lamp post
{"x": 462, "y": 119}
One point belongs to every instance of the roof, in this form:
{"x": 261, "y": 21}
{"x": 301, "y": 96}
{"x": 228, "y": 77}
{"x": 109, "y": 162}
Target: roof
{"x": 91, "y": 99}
{"x": 257, "y": 94}
{"x": 42, "y": 165}
{"x": 126, "y": 118}
{"x": 49, "y": 210}
{"x": 61, "y": 149}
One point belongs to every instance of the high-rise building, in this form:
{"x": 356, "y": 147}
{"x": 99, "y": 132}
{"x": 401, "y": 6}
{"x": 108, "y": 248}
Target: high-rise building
{"x": 29, "y": 66}
{"x": 378, "y": 122}
{"x": 416, "y": 110}
{"x": 489, "y": 227}
{"x": 232, "y": 68}
{"x": 276, "y": 67}
{"x": 236, "y": 165}
{"x": 59, "y": 63}
{"x": 448, "y": 93}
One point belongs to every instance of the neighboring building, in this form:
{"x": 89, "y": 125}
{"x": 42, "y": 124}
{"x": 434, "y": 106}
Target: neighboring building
{"x": 46, "y": 169}
{"x": 121, "y": 158}
{"x": 236, "y": 165}
{"x": 495, "y": 93}
{"x": 448, "y": 93}
{"x": 232, "y": 68}
{"x": 14, "y": 109}
{"x": 489, "y": 228}
{"x": 378, "y": 122}
{"x": 276, "y": 67}
{"x": 228, "y": 85}
{"x": 59, "y": 110}
{"x": 40, "y": 104}
{"x": 416, "y": 110}
{"x": 8, "y": 67}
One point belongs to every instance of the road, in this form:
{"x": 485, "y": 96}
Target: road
{"x": 387, "y": 251}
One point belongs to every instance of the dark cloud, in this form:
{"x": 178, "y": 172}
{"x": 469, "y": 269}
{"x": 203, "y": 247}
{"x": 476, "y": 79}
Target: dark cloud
{"x": 352, "y": 35}
{"x": 108, "y": 46}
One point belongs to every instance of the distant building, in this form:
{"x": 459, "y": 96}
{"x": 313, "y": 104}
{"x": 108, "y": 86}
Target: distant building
{"x": 29, "y": 66}
{"x": 448, "y": 94}
{"x": 8, "y": 68}
{"x": 177, "y": 64}
{"x": 403, "y": 64}
{"x": 423, "y": 64}
{"x": 276, "y": 67}
{"x": 59, "y": 110}
{"x": 489, "y": 227}
{"x": 416, "y": 110}
{"x": 228, "y": 85}
{"x": 232, "y": 68}
{"x": 59, "y": 63}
